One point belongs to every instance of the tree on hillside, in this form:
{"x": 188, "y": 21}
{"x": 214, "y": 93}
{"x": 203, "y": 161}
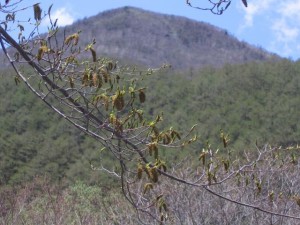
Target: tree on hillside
{"x": 105, "y": 100}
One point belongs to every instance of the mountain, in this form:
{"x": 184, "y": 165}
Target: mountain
{"x": 151, "y": 39}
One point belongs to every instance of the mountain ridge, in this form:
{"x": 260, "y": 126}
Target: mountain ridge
{"x": 152, "y": 39}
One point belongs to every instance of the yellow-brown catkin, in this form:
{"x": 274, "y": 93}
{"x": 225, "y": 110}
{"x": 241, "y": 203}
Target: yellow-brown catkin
{"x": 142, "y": 96}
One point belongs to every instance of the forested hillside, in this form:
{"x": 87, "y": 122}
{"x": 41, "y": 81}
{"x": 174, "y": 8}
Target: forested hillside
{"x": 256, "y": 103}
{"x": 35, "y": 141}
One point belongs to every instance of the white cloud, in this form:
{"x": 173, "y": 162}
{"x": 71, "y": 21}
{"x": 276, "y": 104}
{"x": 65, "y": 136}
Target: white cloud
{"x": 285, "y": 32}
{"x": 63, "y": 17}
{"x": 286, "y": 37}
{"x": 281, "y": 21}
{"x": 290, "y": 9}
{"x": 255, "y": 8}
{"x": 286, "y": 27}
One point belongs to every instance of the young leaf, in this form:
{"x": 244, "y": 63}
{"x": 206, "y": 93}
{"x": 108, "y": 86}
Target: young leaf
{"x": 297, "y": 199}
{"x": 17, "y": 80}
{"x": 139, "y": 171}
{"x": 71, "y": 80}
{"x": 37, "y": 12}
{"x": 147, "y": 187}
{"x": 227, "y": 5}
{"x": 97, "y": 80}
{"x": 142, "y": 96}
{"x": 153, "y": 174}
{"x": 153, "y": 149}
{"x": 49, "y": 9}
{"x": 93, "y": 54}
{"x": 21, "y": 27}
{"x": 118, "y": 101}
{"x": 74, "y": 37}
{"x": 43, "y": 49}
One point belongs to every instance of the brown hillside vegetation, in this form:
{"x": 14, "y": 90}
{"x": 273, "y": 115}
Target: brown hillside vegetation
{"x": 151, "y": 39}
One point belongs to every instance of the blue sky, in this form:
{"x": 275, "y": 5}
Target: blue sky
{"x": 271, "y": 24}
